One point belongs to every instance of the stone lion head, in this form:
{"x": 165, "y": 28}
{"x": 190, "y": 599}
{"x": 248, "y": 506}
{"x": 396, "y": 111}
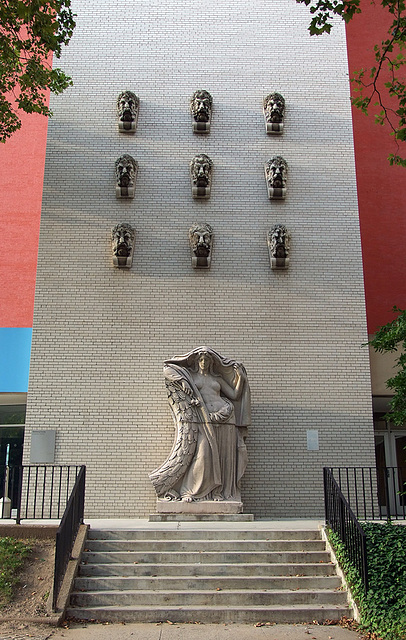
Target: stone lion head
{"x": 122, "y": 238}
{"x": 200, "y": 106}
{"x": 276, "y": 172}
{"x": 127, "y": 106}
{"x": 200, "y": 237}
{"x": 200, "y": 170}
{"x": 274, "y": 108}
{"x": 126, "y": 168}
{"x": 278, "y": 241}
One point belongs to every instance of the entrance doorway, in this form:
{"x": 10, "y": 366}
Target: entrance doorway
{"x": 12, "y": 418}
{"x": 390, "y": 451}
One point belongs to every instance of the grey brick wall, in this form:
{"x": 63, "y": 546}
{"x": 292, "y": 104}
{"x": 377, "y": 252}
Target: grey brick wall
{"x": 101, "y": 334}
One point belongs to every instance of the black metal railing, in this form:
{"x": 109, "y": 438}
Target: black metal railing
{"x": 374, "y": 493}
{"x": 36, "y": 492}
{"x": 342, "y": 521}
{"x": 40, "y": 492}
{"x": 67, "y": 531}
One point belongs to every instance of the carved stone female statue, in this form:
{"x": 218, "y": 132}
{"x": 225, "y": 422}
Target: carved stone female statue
{"x": 210, "y": 400}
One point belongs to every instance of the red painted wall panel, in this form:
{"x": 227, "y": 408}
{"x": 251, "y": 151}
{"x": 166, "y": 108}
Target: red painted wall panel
{"x": 22, "y": 160}
{"x": 381, "y": 188}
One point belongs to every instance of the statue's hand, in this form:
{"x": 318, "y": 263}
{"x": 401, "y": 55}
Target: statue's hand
{"x": 189, "y": 392}
{"x": 186, "y": 388}
{"x": 239, "y": 372}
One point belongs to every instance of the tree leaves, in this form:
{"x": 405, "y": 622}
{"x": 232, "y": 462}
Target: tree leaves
{"x": 325, "y": 10}
{"x": 31, "y": 31}
{"x": 388, "y": 338}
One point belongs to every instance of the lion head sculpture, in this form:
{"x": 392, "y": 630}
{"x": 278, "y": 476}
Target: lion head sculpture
{"x": 200, "y": 239}
{"x": 274, "y": 108}
{"x": 126, "y": 172}
{"x": 122, "y": 241}
{"x": 127, "y": 108}
{"x": 276, "y": 175}
{"x": 200, "y": 172}
{"x": 201, "y": 104}
{"x": 279, "y": 245}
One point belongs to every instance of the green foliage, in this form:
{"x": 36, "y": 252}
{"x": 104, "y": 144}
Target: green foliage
{"x": 389, "y": 338}
{"x": 368, "y": 88}
{"x": 12, "y": 554}
{"x": 30, "y": 32}
{"x": 323, "y": 12}
{"x": 383, "y": 608}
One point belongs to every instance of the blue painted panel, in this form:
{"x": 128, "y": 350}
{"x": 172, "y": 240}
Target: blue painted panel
{"x": 15, "y": 352}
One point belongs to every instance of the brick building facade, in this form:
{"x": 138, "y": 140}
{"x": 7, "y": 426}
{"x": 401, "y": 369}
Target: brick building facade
{"x": 101, "y": 333}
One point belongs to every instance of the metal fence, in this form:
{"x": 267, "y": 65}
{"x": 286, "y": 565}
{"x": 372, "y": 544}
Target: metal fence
{"x": 373, "y": 493}
{"x": 46, "y": 492}
{"x": 342, "y": 520}
{"x": 36, "y": 492}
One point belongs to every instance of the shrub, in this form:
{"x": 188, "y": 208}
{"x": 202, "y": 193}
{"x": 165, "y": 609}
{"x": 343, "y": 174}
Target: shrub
{"x": 383, "y": 607}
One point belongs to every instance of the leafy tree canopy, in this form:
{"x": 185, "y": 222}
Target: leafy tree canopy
{"x": 383, "y": 86}
{"x": 391, "y": 337}
{"x": 30, "y": 32}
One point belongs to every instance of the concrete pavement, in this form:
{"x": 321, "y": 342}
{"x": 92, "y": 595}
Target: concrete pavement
{"x": 166, "y": 631}
{"x": 260, "y": 524}
{"x": 133, "y": 524}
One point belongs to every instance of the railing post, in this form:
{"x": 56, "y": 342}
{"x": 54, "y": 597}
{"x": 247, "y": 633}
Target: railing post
{"x": 365, "y": 563}
{"x": 388, "y": 509}
{"x": 326, "y": 505}
{"x": 19, "y": 494}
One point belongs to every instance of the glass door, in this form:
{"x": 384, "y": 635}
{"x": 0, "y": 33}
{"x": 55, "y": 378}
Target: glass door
{"x": 400, "y": 451}
{"x": 391, "y": 476}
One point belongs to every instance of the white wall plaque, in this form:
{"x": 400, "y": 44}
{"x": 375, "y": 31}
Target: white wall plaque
{"x": 312, "y": 439}
{"x": 42, "y": 446}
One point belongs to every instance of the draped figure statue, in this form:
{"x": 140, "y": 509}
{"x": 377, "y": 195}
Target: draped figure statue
{"x": 209, "y": 397}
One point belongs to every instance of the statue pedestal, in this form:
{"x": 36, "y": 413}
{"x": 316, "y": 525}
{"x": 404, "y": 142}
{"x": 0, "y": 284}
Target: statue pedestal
{"x": 204, "y": 511}
{"x": 201, "y": 517}
{"x": 204, "y": 507}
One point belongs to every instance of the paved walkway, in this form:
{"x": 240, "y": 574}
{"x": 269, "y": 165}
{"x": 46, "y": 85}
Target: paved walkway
{"x": 176, "y": 631}
{"x": 166, "y": 631}
{"x": 144, "y": 523}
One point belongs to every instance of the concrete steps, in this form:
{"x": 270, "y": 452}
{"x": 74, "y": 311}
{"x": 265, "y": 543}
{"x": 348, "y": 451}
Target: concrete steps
{"x": 170, "y": 583}
{"x": 208, "y": 569}
{"x": 207, "y": 576}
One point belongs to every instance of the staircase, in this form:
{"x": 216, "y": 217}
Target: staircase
{"x": 211, "y": 576}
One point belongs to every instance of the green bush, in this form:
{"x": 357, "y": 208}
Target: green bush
{"x": 383, "y": 607}
{"x": 12, "y": 554}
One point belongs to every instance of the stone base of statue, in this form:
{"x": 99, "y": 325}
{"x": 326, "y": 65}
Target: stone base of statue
{"x": 201, "y": 517}
{"x": 200, "y": 507}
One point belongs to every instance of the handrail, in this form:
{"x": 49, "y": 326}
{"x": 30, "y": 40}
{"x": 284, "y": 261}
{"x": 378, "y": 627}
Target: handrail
{"x": 342, "y": 520}
{"x": 67, "y": 531}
